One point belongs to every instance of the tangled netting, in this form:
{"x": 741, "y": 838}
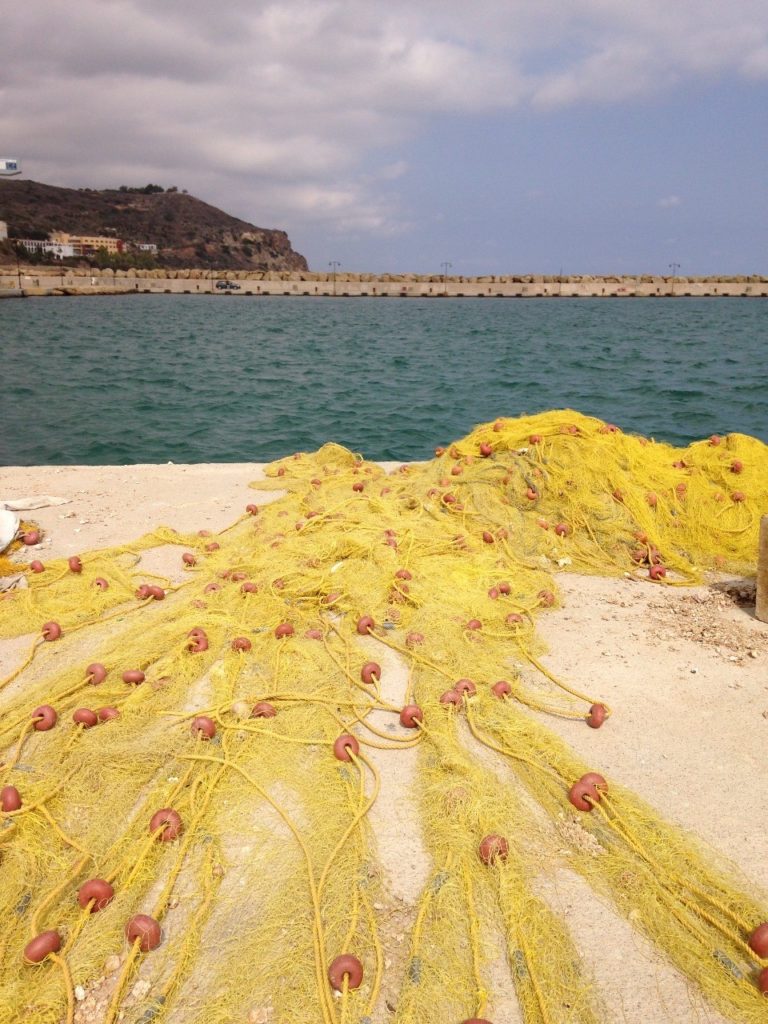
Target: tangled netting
{"x": 188, "y": 769}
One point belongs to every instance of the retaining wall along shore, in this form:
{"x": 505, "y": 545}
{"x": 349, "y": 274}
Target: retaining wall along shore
{"x": 43, "y": 281}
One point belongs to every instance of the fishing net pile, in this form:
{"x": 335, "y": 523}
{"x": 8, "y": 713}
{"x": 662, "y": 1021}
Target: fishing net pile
{"x": 188, "y": 769}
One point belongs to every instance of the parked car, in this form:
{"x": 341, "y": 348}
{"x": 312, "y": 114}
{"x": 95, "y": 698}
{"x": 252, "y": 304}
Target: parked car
{"x": 226, "y": 286}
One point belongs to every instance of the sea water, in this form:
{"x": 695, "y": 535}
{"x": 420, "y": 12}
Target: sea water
{"x": 151, "y": 378}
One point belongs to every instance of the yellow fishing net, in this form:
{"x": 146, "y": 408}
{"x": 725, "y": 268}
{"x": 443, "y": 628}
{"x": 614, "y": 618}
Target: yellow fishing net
{"x": 220, "y": 702}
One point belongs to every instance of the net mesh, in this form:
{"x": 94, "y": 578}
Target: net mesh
{"x": 274, "y": 873}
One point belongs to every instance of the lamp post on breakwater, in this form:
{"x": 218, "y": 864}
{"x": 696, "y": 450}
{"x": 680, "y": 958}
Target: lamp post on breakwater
{"x": 333, "y": 264}
{"x": 674, "y": 267}
{"x": 445, "y": 266}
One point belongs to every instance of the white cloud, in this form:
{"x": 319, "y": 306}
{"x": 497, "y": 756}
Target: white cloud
{"x": 669, "y": 201}
{"x": 277, "y": 110}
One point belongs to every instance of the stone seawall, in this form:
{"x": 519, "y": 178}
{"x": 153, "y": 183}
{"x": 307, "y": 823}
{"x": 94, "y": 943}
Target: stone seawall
{"x": 44, "y": 281}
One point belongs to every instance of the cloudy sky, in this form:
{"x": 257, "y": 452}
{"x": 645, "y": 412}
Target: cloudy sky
{"x": 502, "y": 136}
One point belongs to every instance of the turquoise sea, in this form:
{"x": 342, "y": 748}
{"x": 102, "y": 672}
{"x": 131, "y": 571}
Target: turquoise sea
{"x": 146, "y": 378}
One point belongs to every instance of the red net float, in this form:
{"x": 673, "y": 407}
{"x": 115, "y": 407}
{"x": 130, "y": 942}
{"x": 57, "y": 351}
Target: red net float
{"x": 358, "y": 486}
{"x": 488, "y": 538}
{"x": 108, "y": 714}
{"x": 439, "y": 451}
{"x": 485, "y": 449}
{"x": 10, "y": 799}
{"x": 737, "y": 466}
{"x": 657, "y": 572}
{"x": 370, "y": 672}
{"x": 211, "y": 588}
{"x": 411, "y": 716}
{"x": 493, "y": 848}
{"x": 403, "y": 574}
{"x": 236, "y": 577}
{"x": 241, "y": 643}
{"x": 715, "y": 440}
{"x": 97, "y": 892}
{"x": 465, "y": 686}
{"x": 146, "y": 929}
{"x": 365, "y": 625}
{"x": 188, "y": 558}
{"x": 449, "y": 499}
{"x": 738, "y": 496}
{"x": 85, "y": 717}
{"x": 74, "y": 563}
{"x": 44, "y": 718}
{"x": 758, "y": 940}
{"x": 213, "y": 546}
{"x": 514, "y": 619}
{"x": 133, "y": 676}
{"x": 31, "y": 537}
{"x": 314, "y": 634}
{"x": 582, "y": 796}
{"x": 196, "y": 632}
{"x": 42, "y": 946}
{"x": 167, "y": 823}
{"x": 203, "y": 533}
{"x": 608, "y": 428}
{"x": 346, "y": 967}
{"x": 531, "y": 494}
{"x": 501, "y": 689}
{"x": 535, "y": 439}
{"x": 652, "y": 499}
{"x": 597, "y": 715}
{"x": 504, "y": 588}
{"x": 37, "y": 566}
{"x": 249, "y": 587}
{"x": 252, "y": 510}
{"x": 451, "y": 697}
{"x": 414, "y": 640}
{"x": 157, "y": 593}
{"x": 546, "y": 598}
{"x": 596, "y": 782}
{"x": 343, "y": 745}
{"x": 197, "y": 644}
{"x": 456, "y": 470}
{"x": 143, "y": 592}
{"x": 762, "y": 981}
{"x": 204, "y": 727}
{"x": 563, "y": 530}
{"x": 493, "y": 593}
{"x": 474, "y": 624}
{"x": 263, "y": 709}
{"x": 51, "y": 631}
{"x": 100, "y": 583}
{"x": 283, "y": 630}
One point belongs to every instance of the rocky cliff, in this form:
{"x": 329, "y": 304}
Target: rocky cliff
{"x": 186, "y": 231}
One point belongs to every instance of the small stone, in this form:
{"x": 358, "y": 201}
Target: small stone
{"x": 79, "y": 993}
{"x": 140, "y": 989}
{"x": 112, "y": 964}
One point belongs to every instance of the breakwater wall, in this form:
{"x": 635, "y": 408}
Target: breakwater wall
{"x": 29, "y": 281}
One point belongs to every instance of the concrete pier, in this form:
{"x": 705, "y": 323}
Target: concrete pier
{"x": 46, "y": 281}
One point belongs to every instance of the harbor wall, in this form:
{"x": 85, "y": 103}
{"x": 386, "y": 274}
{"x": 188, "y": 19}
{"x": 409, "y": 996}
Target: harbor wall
{"x": 29, "y": 281}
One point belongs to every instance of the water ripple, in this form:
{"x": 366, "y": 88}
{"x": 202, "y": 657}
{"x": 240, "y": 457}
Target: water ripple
{"x": 189, "y": 378}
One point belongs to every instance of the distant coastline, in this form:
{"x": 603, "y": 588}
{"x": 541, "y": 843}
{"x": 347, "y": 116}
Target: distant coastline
{"x": 39, "y": 281}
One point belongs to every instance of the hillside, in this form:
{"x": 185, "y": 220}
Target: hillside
{"x": 187, "y": 231}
